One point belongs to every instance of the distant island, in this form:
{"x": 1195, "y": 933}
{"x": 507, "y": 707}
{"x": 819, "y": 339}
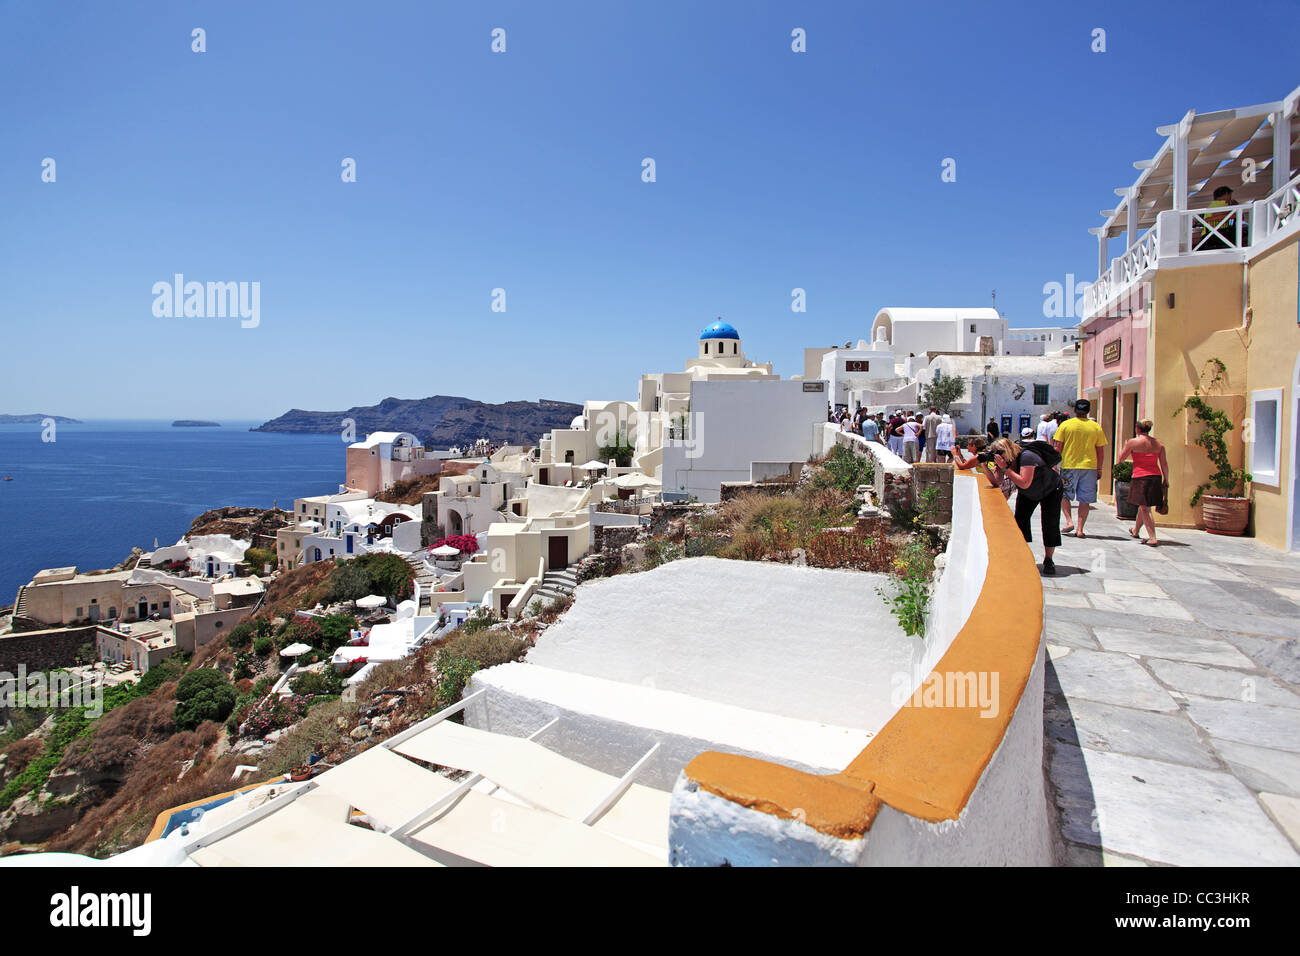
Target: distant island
{"x": 439, "y": 421}
{"x": 194, "y": 423}
{"x": 36, "y": 420}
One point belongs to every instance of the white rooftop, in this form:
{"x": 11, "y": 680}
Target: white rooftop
{"x": 803, "y": 643}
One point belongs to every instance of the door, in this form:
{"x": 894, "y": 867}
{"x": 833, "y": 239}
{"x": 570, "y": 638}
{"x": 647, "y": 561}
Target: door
{"x": 142, "y": 610}
{"x": 505, "y": 603}
{"x": 557, "y": 552}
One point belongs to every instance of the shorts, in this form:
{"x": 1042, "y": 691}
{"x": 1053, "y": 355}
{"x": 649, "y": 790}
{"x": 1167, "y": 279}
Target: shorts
{"x": 1147, "y": 491}
{"x": 1080, "y": 484}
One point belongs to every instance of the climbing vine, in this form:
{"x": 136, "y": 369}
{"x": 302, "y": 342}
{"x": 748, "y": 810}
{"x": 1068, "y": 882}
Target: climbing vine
{"x": 1225, "y": 479}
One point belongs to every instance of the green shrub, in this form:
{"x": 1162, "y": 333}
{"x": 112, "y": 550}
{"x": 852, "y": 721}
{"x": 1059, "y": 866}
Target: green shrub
{"x": 335, "y": 631}
{"x": 258, "y": 558}
{"x": 621, "y": 453}
{"x": 1122, "y": 471}
{"x": 165, "y": 670}
{"x": 263, "y": 646}
{"x": 201, "y": 695}
{"x": 240, "y": 636}
{"x": 313, "y": 683}
{"x": 468, "y": 652}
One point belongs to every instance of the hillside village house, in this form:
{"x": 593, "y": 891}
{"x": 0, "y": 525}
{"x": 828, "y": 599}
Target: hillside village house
{"x": 1196, "y": 285}
{"x": 209, "y": 555}
{"x": 143, "y": 615}
{"x": 384, "y": 458}
{"x": 357, "y": 526}
{"x": 469, "y": 502}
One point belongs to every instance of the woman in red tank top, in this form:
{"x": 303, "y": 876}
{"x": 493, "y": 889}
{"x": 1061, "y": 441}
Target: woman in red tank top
{"x": 1147, "y": 490}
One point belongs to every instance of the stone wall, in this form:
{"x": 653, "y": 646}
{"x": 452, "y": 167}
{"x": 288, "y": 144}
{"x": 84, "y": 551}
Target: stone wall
{"x": 893, "y": 479}
{"x": 732, "y": 489}
{"x": 936, "y": 475}
{"x": 44, "y": 650}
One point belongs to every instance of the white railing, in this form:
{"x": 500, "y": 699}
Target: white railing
{"x": 1281, "y": 208}
{"x": 1141, "y": 256}
{"x": 1097, "y": 294}
{"x": 1216, "y": 228}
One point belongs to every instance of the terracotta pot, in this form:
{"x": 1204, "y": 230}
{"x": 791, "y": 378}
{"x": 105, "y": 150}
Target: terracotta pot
{"x": 1225, "y": 515}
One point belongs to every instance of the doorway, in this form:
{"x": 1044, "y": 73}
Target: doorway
{"x": 1293, "y": 533}
{"x": 557, "y": 551}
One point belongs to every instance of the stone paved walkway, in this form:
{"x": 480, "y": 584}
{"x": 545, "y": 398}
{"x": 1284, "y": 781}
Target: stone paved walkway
{"x": 1172, "y": 698}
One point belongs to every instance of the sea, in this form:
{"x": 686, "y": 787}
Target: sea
{"x": 103, "y": 487}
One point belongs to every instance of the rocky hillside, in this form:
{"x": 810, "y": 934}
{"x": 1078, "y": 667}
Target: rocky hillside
{"x": 243, "y": 524}
{"x": 440, "y": 420}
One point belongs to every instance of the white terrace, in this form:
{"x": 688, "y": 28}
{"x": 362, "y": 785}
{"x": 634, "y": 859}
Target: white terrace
{"x": 1164, "y": 219}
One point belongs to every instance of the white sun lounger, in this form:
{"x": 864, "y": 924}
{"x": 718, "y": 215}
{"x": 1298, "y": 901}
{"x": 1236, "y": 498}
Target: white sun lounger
{"x": 310, "y": 831}
{"x": 499, "y": 832}
{"x": 384, "y": 785}
{"x": 547, "y": 780}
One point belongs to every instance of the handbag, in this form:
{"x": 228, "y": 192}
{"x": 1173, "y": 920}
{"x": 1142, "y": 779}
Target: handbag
{"x": 1163, "y": 507}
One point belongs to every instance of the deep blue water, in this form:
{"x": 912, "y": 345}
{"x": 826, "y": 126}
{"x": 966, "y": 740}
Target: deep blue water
{"x": 103, "y": 487}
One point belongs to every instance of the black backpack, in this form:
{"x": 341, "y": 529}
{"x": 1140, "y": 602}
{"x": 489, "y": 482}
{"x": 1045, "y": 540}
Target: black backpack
{"x": 1044, "y": 450}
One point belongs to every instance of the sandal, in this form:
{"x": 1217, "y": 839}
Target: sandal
{"x": 1069, "y": 530}
{"x": 1133, "y": 534}
{"x": 1151, "y": 543}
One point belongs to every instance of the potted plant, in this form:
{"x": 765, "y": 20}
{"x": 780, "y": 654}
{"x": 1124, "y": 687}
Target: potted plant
{"x": 1122, "y": 473}
{"x": 1228, "y": 511}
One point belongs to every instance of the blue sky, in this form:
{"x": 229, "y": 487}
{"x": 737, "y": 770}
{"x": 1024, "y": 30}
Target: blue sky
{"x": 522, "y": 171}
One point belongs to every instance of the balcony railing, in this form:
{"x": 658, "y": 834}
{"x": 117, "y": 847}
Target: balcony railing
{"x": 1195, "y": 232}
{"x": 1280, "y": 209}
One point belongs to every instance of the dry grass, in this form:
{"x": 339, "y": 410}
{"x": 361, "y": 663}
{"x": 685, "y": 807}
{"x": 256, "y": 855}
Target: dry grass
{"x": 411, "y": 491}
{"x": 297, "y": 588}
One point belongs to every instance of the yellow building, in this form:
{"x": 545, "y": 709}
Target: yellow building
{"x": 1203, "y": 296}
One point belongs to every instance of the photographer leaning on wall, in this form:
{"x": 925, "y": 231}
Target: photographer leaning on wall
{"x": 1031, "y": 468}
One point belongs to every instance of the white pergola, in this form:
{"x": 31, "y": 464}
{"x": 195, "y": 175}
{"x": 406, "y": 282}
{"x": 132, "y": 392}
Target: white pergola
{"x": 1202, "y": 152}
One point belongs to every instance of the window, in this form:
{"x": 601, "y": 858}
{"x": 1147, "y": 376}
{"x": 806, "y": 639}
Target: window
{"x": 81, "y": 612}
{"x": 1040, "y": 395}
{"x": 972, "y": 328}
{"x": 1264, "y": 434}
{"x": 706, "y": 348}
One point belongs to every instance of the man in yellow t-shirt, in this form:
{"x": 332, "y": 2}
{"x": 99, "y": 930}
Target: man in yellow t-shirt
{"x": 1078, "y": 440}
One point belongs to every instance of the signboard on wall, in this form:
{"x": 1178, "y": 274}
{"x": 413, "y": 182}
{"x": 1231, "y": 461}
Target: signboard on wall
{"x": 855, "y": 366}
{"x": 814, "y": 386}
{"x": 1110, "y": 352}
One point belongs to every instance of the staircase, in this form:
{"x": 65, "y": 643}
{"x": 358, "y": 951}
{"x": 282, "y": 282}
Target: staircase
{"x": 558, "y": 584}
{"x": 424, "y": 576}
{"x": 20, "y": 621}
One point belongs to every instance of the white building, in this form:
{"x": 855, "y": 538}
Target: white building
{"x": 736, "y": 425}
{"x": 210, "y": 555}
{"x": 1045, "y": 340}
{"x": 1014, "y": 390}
{"x": 917, "y": 331}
